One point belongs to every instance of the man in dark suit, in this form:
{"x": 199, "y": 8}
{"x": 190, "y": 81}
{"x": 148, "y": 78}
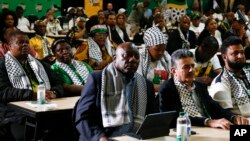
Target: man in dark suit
{"x": 20, "y": 75}
{"x": 116, "y": 99}
{"x": 183, "y": 93}
{"x": 181, "y": 37}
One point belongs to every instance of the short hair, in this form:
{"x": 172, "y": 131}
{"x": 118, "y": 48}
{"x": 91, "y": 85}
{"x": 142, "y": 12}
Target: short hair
{"x": 58, "y": 41}
{"x": 14, "y": 34}
{"x": 111, "y": 13}
{"x": 231, "y": 40}
{"x": 37, "y": 24}
{"x": 19, "y": 8}
{"x": 210, "y": 43}
{"x": 180, "y": 54}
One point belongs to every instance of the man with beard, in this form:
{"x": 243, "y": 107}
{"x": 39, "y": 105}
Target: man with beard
{"x": 231, "y": 88}
{"x": 116, "y": 99}
{"x": 183, "y": 93}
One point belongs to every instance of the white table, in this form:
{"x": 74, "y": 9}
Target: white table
{"x": 40, "y": 118}
{"x": 202, "y": 134}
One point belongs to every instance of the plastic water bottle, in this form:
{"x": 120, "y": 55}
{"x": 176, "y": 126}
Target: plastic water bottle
{"x": 188, "y": 126}
{"x": 181, "y": 127}
{"x": 41, "y": 94}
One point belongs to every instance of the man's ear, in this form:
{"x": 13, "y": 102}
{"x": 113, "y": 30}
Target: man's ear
{"x": 114, "y": 57}
{"x": 172, "y": 70}
{"x": 224, "y": 57}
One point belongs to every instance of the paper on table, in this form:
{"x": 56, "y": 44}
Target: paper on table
{"x": 42, "y": 107}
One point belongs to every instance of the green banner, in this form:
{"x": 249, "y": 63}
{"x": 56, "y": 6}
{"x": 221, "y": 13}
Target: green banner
{"x": 178, "y": 4}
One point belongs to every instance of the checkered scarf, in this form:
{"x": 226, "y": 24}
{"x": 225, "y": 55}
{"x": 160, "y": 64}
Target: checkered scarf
{"x": 45, "y": 45}
{"x": 120, "y": 32}
{"x": 187, "y": 101}
{"x": 153, "y": 36}
{"x": 239, "y": 93}
{"x": 185, "y": 42}
{"x": 95, "y": 52}
{"x": 80, "y": 68}
{"x": 114, "y": 105}
{"x": 146, "y": 59}
{"x": 17, "y": 75}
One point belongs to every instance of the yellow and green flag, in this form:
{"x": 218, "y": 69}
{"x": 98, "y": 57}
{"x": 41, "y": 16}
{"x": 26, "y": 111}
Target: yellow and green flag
{"x": 178, "y": 4}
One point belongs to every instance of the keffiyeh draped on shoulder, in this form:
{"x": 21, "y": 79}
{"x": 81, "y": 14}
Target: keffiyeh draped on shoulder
{"x": 114, "y": 105}
{"x": 146, "y": 59}
{"x": 17, "y": 75}
{"x": 80, "y": 68}
{"x": 239, "y": 92}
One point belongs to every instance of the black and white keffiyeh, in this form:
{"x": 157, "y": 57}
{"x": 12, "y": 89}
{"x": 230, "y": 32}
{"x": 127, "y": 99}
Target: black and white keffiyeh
{"x": 185, "y": 42}
{"x": 45, "y": 45}
{"x": 146, "y": 59}
{"x": 153, "y": 36}
{"x": 95, "y": 52}
{"x": 17, "y": 75}
{"x": 187, "y": 102}
{"x": 80, "y": 68}
{"x": 114, "y": 105}
{"x": 120, "y": 33}
{"x": 239, "y": 91}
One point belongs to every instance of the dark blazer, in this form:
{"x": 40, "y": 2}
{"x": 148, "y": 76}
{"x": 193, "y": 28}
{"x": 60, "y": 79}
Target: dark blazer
{"x": 175, "y": 42}
{"x": 170, "y": 101}
{"x": 9, "y": 94}
{"x": 88, "y": 118}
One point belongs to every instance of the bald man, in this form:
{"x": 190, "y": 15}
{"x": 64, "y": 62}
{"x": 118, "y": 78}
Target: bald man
{"x": 108, "y": 105}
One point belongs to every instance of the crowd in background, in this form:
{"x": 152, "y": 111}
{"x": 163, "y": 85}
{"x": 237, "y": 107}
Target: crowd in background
{"x": 75, "y": 50}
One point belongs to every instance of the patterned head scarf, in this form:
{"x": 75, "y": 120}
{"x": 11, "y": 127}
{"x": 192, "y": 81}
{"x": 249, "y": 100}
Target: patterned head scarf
{"x": 98, "y": 28}
{"x": 153, "y": 36}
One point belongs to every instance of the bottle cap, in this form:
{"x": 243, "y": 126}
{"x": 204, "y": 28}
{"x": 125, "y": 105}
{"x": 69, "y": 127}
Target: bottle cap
{"x": 182, "y": 113}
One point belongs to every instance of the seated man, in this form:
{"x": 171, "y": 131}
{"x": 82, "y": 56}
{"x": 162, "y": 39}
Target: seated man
{"x": 71, "y": 72}
{"x": 116, "y": 99}
{"x": 207, "y": 64}
{"x": 182, "y": 37}
{"x": 182, "y": 93}
{"x": 20, "y": 75}
{"x": 231, "y": 88}
{"x": 154, "y": 59}
{"x": 41, "y": 43}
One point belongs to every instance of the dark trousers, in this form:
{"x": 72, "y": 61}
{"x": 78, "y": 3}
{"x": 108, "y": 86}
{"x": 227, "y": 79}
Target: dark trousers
{"x": 12, "y": 132}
